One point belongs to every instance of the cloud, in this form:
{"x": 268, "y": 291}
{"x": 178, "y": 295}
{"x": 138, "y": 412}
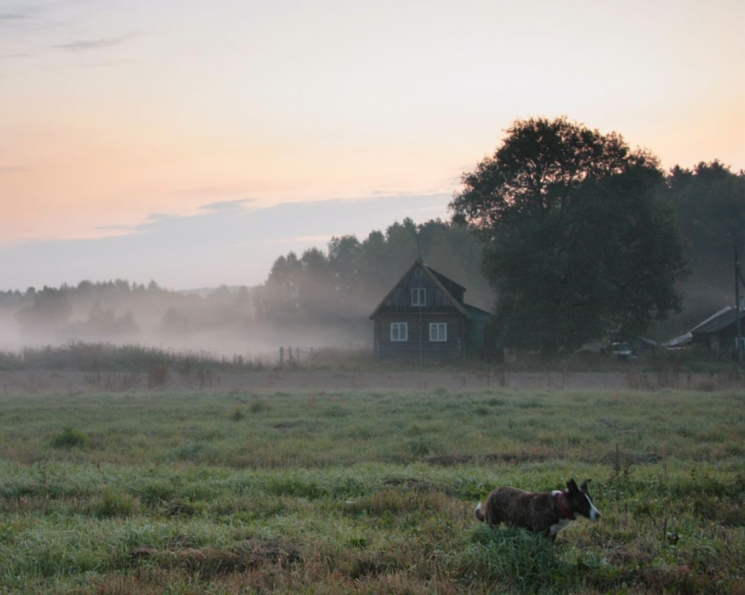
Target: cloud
{"x": 93, "y": 44}
{"x": 226, "y": 205}
{"x": 13, "y": 169}
{"x": 14, "y": 16}
{"x": 224, "y": 243}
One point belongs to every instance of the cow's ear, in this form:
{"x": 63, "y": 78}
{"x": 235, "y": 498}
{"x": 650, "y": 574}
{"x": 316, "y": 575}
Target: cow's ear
{"x": 572, "y": 486}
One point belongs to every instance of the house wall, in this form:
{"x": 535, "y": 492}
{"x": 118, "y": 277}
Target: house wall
{"x": 725, "y": 339}
{"x": 418, "y": 344}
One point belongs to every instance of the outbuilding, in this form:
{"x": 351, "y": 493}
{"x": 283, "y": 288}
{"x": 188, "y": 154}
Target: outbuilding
{"x": 719, "y": 332}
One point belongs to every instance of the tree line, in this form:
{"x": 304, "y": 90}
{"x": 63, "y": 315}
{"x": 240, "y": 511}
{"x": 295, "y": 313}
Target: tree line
{"x": 120, "y": 310}
{"x": 567, "y": 235}
{"x": 351, "y": 277}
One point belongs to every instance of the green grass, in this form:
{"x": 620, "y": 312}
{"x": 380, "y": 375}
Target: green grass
{"x": 367, "y": 491}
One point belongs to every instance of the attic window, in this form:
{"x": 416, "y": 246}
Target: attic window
{"x": 418, "y": 273}
{"x": 419, "y": 296}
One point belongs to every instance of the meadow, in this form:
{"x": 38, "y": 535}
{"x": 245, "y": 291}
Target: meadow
{"x": 366, "y": 491}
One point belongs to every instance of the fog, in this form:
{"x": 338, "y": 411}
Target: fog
{"x": 319, "y": 299}
{"x": 322, "y": 299}
{"x": 221, "y": 322}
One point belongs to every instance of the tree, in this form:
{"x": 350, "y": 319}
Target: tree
{"x": 709, "y": 206}
{"x": 578, "y": 243}
{"x": 48, "y": 313}
{"x": 709, "y": 203}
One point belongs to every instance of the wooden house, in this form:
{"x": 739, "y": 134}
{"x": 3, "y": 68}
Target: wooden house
{"x": 424, "y": 317}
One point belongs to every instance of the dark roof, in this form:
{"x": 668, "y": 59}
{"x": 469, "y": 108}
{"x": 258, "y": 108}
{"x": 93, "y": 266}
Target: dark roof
{"x": 474, "y": 312}
{"x": 444, "y": 283}
{"x": 719, "y": 321}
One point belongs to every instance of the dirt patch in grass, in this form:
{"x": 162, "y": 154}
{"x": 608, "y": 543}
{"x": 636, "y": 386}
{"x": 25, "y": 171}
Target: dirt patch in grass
{"x": 647, "y": 458}
{"x": 413, "y": 484}
{"x": 245, "y": 555}
{"x": 505, "y": 458}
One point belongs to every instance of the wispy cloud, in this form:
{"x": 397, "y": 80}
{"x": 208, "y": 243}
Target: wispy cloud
{"x": 80, "y": 45}
{"x": 12, "y": 16}
{"x": 16, "y": 15}
{"x": 117, "y": 228}
{"x": 225, "y": 243}
{"x": 226, "y": 205}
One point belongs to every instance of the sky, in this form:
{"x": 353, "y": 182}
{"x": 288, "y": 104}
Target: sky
{"x": 194, "y": 142}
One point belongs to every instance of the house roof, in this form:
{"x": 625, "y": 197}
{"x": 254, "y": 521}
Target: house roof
{"x": 712, "y": 325}
{"x": 474, "y": 312}
{"x": 440, "y": 280}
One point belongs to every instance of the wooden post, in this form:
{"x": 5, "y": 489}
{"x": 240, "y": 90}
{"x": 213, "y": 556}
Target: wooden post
{"x": 738, "y": 340}
{"x": 281, "y": 356}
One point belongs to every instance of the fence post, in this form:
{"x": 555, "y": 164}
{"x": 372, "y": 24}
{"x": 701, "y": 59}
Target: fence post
{"x": 281, "y": 356}
{"x": 289, "y": 354}
{"x": 297, "y": 354}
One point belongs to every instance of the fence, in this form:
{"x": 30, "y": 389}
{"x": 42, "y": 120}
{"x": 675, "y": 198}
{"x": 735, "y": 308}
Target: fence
{"x": 293, "y": 354}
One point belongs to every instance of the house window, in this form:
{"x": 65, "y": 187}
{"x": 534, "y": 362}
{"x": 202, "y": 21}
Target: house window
{"x": 399, "y": 331}
{"x": 419, "y": 296}
{"x": 438, "y": 331}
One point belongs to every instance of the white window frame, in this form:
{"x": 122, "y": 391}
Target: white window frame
{"x": 399, "y": 332}
{"x": 418, "y": 296}
{"x": 438, "y": 332}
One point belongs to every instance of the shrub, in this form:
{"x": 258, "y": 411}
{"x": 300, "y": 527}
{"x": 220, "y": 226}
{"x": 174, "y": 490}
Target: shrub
{"x": 113, "y": 503}
{"x": 157, "y": 375}
{"x": 257, "y": 406}
{"x": 69, "y": 438}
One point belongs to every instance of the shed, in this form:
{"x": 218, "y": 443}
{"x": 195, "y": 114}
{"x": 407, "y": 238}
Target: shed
{"x": 719, "y": 332}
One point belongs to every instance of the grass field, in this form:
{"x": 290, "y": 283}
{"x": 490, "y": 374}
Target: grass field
{"x": 366, "y": 491}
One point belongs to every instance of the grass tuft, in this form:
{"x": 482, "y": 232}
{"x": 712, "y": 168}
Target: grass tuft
{"x": 69, "y": 438}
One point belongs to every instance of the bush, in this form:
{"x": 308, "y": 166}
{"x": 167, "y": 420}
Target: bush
{"x": 113, "y": 503}
{"x": 69, "y": 438}
{"x": 157, "y": 376}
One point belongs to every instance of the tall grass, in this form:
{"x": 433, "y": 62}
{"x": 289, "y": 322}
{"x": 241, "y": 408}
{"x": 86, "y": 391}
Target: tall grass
{"x": 367, "y": 491}
{"x": 107, "y": 357}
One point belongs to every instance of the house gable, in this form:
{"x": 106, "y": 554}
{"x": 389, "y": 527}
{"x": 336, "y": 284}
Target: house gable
{"x": 439, "y": 293}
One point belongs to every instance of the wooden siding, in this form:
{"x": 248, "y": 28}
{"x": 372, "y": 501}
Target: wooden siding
{"x": 418, "y": 344}
{"x": 443, "y": 304}
{"x": 400, "y": 298}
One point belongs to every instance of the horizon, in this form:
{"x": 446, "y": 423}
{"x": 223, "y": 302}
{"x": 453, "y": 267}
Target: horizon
{"x": 194, "y": 145}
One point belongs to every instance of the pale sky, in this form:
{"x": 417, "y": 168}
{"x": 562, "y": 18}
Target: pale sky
{"x": 193, "y": 142}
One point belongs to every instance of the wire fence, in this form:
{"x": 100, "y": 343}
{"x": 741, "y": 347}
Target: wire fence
{"x": 294, "y": 354}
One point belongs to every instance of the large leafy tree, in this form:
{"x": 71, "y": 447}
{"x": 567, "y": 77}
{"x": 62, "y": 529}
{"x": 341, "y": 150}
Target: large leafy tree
{"x": 578, "y": 243}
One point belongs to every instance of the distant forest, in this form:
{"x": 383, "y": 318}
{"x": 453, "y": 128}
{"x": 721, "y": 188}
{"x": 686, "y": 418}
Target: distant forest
{"x": 338, "y": 288}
